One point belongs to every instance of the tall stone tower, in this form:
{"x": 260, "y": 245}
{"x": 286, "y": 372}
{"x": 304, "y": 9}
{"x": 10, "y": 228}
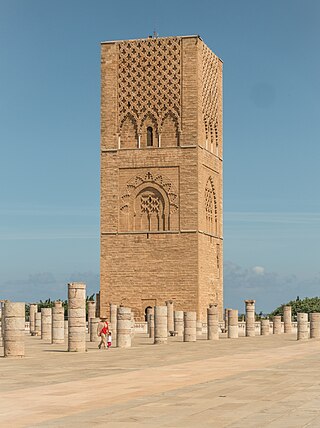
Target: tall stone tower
{"x": 161, "y": 174}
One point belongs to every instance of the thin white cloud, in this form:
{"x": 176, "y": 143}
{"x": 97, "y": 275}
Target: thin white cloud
{"x": 259, "y": 270}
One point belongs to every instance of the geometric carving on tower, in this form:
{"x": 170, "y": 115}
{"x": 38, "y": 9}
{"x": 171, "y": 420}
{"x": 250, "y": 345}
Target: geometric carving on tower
{"x": 149, "y": 83}
{"x": 211, "y": 98}
{"x": 149, "y": 203}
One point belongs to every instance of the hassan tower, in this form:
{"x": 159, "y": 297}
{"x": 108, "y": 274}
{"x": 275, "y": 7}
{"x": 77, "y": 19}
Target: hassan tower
{"x": 161, "y": 175}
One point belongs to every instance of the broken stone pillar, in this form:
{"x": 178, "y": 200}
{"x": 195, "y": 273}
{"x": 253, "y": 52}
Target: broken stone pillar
{"x": 233, "y": 325}
{"x": 178, "y": 323}
{"x": 46, "y": 324}
{"x": 32, "y": 317}
{"x": 190, "y": 326}
{"x": 160, "y": 325}
{"x": 76, "y": 317}
{"x": 98, "y": 305}
{"x": 123, "y": 327}
{"x": 151, "y": 333}
{"x": 113, "y": 322}
{"x": 287, "y": 319}
{"x": 58, "y": 323}
{"x": 93, "y": 330}
{"x": 315, "y": 325}
{"x": 133, "y": 331}
{"x": 265, "y": 328}
{"x": 170, "y": 321}
{"x": 250, "y": 318}
{"x": 14, "y": 323}
{"x": 226, "y": 319}
{"x": 302, "y": 326}
{"x": 277, "y": 324}
{"x": 37, "y": 324}
{"x": 91, "y": 312}
{"x": 149, "y": 312}
{"x": 213, "y": 322}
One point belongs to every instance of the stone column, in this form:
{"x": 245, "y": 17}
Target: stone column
{"x": 123, "y": 327}
{"x": 277, "y": 324}
{"x": 91, "y": 312}
{"x": 287, "y": 319}
{"x": 190, "y": 326}
{"x": 178, "y": 323}
{"x": 302, "y": 326}
{"x": 46, "y": 324}
{"x": 226, "y": 319}
{"x": 212, "y": 322}
{"x": 58, "y": 323}
{"x": 160, "y": 325}
{"x": 93, "y": 330}
{"x": 151, "y": 334}
{"x": 250, "y": 317}
{"x": 66, "y": 329}
{"x": 315, "y": 325}
{"x": 170, "y": 321}
{"x": 14, "y": 322}
{"x": 233, "y": 324}
{"x": 98, "y": 305}
{"x": 37, "y": 325}
{"x": 149, "y": 312}
{"x": 76, "y": 317}
{"x": 132, "y": 324}
{"x": 113, "y": 322}
{"x": 32, "y": 317}
{"x": 265, "y": 328}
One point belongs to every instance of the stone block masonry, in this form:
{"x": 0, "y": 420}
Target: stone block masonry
{"x": 161, "y": 175}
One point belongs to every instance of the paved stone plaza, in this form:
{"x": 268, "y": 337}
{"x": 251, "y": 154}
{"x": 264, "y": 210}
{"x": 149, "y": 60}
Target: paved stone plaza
{"x": 263, "y": 381}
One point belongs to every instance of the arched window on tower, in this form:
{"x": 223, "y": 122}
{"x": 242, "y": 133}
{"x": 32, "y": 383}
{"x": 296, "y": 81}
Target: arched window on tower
{"x": 149, "y": 136}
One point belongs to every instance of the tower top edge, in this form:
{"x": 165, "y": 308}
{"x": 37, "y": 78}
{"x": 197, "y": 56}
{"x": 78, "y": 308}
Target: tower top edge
{"x": 196, "y": 36}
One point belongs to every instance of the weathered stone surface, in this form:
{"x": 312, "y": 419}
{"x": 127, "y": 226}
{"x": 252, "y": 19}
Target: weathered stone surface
{"x": 190, "y": 326}
{"x": 169, "y": 304}
{"x": 38, "y": 323}
{"x": 250, "y": 318}
{"x": 123, "y": 327}
{"x": 114, "y": 323}
{"x": 265, "y": 328}
{"x": 13, "y": 337}
{"x": 76, "y": 317}
{"x": 303, "y": 332}
{"x": 58, "y": 323}
{"x": 277, "y": 326}
{"x": 233, "y": 324}
{"x": 46, "y": 324}
{"x": 315, "y": 325}
{"x": 178, "y": 323}
{"x": 91, "y": 312}
{"x": 33, "y": 310}
{"x": 287, "y": 319}
{"x": 213, "y": 322}
{"x": 160, "y": 325}
{"x": 93, "y": 329}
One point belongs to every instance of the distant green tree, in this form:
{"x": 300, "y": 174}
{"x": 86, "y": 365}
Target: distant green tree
{"x": 306, "y": 305}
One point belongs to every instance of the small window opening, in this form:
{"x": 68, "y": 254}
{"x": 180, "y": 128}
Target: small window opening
{"x": 149, "y": 136}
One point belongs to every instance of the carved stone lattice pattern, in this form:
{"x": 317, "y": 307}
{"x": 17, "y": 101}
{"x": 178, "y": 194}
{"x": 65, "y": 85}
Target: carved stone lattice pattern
{"x": 211, "y": 96}
{"x": 149, "y": 80}
{"x": 211, "y": 206}
{"x": 150, "y": 179}
{"x": 150, "y": 204}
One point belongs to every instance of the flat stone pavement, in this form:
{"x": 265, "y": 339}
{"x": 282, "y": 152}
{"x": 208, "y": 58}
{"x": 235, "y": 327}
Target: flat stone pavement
{"x": 264, "y": 381}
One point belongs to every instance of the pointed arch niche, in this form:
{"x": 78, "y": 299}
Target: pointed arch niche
{"x": 211, "y": 207}
{"x": 149, "y": 133}
{"x": 128, "y": 133}
{"x": 169, "y": 132}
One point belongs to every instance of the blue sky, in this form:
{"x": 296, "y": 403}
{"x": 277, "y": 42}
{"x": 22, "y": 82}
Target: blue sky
{"x": 49, "y": 134}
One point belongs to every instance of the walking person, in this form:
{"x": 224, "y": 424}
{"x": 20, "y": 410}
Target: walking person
{"x": 102, "y": 331}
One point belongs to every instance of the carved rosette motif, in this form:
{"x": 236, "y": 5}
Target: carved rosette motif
{"x": 149, "y": 81}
